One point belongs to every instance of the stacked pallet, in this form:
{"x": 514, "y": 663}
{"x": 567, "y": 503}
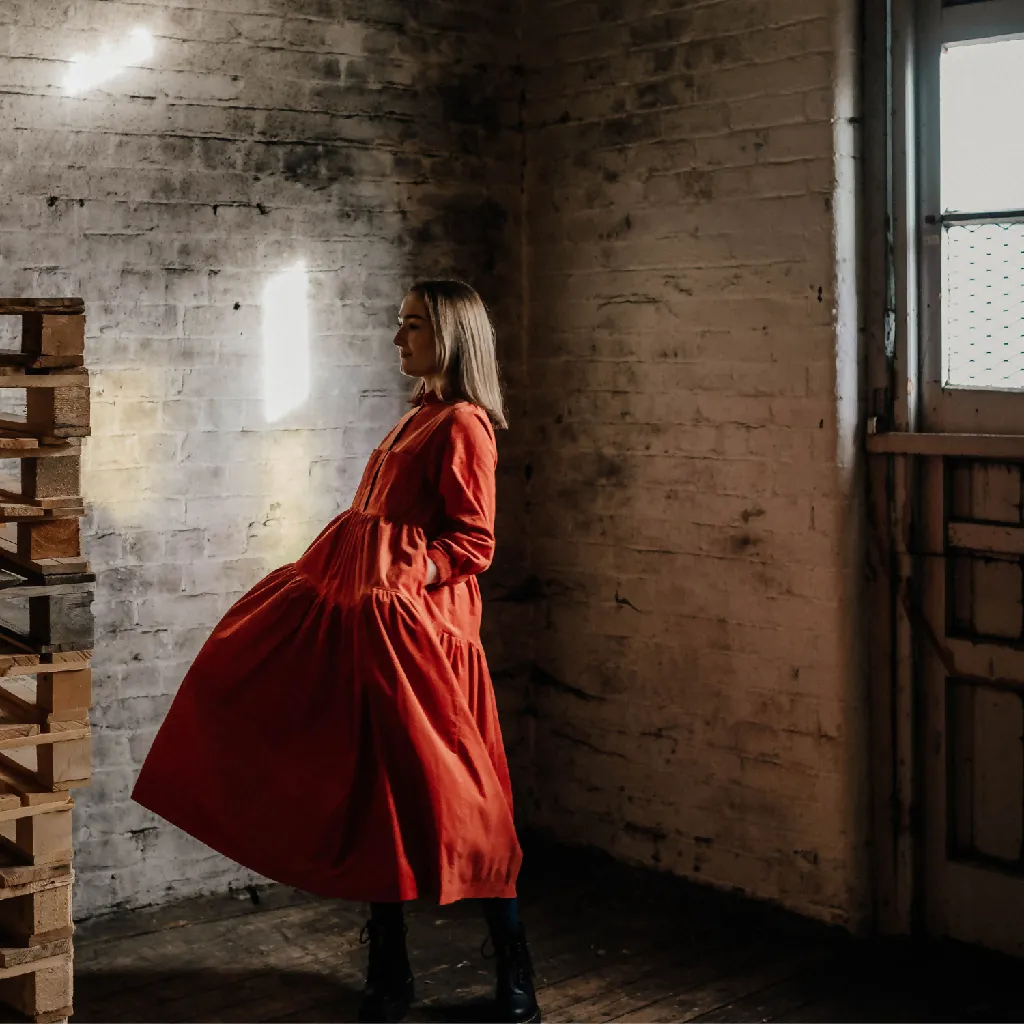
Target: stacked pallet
{"x": 46, "y": 637}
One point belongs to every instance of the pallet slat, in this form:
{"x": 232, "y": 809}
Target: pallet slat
{"x": 40, "y": 569}
{"x": 29, "y": 361}
{"x": 34, "y": 590}
{"x": 12, "y": 512}
{"x": 18, "y": 379}
{"x": 14, "y": 307}
{"x": 18, "y": 875}
{"x": 13, "y": 732}
{"x": 16, "y": 956}
{"x": 15, "y": 664}
{"x": 20, "y": 446}
{"x": 77, "y": 736}
{"x": 63, "y": 304}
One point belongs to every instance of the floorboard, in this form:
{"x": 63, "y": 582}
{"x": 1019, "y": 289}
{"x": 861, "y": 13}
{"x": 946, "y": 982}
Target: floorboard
{"x": 610, "y": 943}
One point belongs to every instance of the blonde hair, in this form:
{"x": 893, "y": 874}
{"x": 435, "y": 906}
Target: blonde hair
{"x": 464, "y": 342}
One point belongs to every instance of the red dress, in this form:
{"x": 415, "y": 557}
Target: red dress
{"x": 338, "y": 731}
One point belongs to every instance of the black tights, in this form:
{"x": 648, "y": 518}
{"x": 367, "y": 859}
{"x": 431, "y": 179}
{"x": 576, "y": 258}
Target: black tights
{"x": 501, "y": 915}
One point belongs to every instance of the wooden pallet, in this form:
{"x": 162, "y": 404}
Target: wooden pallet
{"x": 42, "y": 990}
{"x": 35, "y": 823}
{"x": 46, "y": 513}
{"x": 60, "y": 693}
{"x": 50, "y": 618}
{"x": 52, "y": 333}
{"x": 36, "y": 982}
{"x": 46, "y": 637}
{"x": 47, "y": 506}
{"x": 45, "y": 737}
{"x": 36, "y": 914}
{"x": 57, "y": 759}
{"x": 51, "y": 475}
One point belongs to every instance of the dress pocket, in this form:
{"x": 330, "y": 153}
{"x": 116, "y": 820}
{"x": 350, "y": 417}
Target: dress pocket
{"x": 407, "y": 559}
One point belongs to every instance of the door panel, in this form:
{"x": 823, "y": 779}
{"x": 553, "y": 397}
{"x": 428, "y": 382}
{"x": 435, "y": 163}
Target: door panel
{"x": 972, "y": 647}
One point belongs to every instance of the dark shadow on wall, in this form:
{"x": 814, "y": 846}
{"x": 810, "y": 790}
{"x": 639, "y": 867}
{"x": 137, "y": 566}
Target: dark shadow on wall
{"x": 459, "y": 196}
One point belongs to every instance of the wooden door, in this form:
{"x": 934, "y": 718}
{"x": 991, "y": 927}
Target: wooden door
{"x": 972, "y": 660}
{"x": 970, "y": 630}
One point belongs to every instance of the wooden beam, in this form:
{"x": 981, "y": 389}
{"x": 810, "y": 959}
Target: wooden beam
{"x": 990, "y": 537}
{"x": 1001, "y": 447}
{"x": 38, "y": 965}
{"x": 57, "y": 590}
{"x": 30, "y": 664}
{"x": 14, "y": 307}
{"x": 999, "y": 664}
{"x": 12, "y": 513}
{"x": 12, "y": 378}
{"x": 34, "y": 810}
{"x": 31, "y": 448}
{"x": 64, "y": 736}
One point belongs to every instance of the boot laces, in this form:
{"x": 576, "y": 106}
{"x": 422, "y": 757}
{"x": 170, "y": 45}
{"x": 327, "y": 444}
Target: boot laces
{"x": 513, "y": 957}
{"x": 521, "y": 958}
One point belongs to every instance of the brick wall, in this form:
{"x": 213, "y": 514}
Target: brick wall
{"x": 672, "y": 617}
{"x": 376, "y": 142}
{"x": 695, "y": 398}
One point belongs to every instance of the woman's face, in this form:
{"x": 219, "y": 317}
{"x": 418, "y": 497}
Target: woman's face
{"x": 415, "y": 338}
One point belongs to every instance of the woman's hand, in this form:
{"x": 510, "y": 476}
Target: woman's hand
{"x": 431, "y": 572}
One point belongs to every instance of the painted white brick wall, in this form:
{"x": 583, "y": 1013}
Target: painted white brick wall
{"x": 684, "y": 419}
{"x": 377, "y": 142}
{"x": 695, "y": 398}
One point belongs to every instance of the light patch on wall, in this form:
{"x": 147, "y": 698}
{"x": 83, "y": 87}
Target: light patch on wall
{"x": 91, "y": 70}
{"x": 285, "y": 342}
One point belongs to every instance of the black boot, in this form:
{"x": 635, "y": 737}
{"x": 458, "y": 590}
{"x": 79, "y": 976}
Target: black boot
{"x": 389, "y": 983}
{"x": 516, "y": 1002}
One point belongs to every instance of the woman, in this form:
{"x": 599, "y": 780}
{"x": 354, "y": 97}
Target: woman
{"x": 338, "y": 731}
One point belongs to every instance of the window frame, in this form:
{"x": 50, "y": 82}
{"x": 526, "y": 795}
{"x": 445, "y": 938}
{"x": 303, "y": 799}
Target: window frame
{"x": 953, "y": 409}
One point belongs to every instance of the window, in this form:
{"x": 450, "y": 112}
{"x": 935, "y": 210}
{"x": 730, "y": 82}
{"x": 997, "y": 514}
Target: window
{"x": 981, "y": 185}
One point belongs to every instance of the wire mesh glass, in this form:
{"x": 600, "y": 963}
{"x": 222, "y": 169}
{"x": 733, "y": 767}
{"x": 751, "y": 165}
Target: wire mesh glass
{"x": 983, "y": 305}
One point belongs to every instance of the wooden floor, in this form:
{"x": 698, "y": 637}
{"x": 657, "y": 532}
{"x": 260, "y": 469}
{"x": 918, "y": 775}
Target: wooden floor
{"x": 609, "y": 944}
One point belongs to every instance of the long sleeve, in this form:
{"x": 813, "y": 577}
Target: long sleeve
{"x": 465, "y": 544}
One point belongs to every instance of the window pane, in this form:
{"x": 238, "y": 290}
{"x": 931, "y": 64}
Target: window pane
{"x": 982, "y": 86}
{"x": 983, "y": 305}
